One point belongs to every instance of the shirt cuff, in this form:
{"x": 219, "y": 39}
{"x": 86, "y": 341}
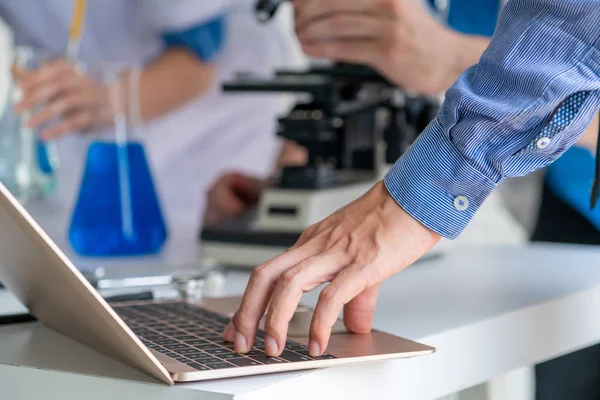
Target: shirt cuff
{"x": 436, "y": 185}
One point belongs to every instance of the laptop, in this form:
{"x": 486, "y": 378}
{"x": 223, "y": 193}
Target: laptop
{"x": 172, "y": 341}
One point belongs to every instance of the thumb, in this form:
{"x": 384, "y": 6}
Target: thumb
{"x": 359, "y": 312}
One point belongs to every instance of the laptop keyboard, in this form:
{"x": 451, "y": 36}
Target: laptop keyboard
{"x": 193, "y": 336}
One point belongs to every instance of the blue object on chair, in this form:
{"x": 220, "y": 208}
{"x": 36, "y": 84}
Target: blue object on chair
{"x": 570, "y": 178}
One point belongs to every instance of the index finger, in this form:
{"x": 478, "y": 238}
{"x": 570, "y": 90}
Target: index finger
{"x": 258, "y": 294}
{"x": 309, "y": 10}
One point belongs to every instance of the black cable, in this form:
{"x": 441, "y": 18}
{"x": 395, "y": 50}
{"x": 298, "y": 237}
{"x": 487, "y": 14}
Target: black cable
{"x": 596, "y": 185}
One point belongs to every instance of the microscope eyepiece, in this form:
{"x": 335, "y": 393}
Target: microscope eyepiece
{"x": 266, "y": 9}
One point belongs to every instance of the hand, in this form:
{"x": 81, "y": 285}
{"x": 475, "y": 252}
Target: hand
{"x": 59, "y": 92}
{"x": 398, "y": 38}
{"x": 355, "y": 250}
{"x": 230, "y": 196}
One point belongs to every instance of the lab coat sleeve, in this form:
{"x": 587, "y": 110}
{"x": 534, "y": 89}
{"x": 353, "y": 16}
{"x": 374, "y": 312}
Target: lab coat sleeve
{"x": 180, "y": 15}
{"x": 199, "y": 26}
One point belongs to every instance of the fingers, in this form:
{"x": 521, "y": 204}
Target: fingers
{"x": 346, "y": 286}
{"x": 230, "y": 196}
{"x": 292, "y": 284}
{"x": 258, "y": 293}
{"x": 344, "y": 27}
{"x": 359, "y": 51}
{"x": 77, "y": 122}
{"x": 49, "y": 90}
{"x": 58, "y": 108}
{"x": 309, "y": 10}
{"x": 359, "y": 312}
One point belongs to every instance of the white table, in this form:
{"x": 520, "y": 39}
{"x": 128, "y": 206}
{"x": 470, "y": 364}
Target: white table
{"x": 488, "y": 311}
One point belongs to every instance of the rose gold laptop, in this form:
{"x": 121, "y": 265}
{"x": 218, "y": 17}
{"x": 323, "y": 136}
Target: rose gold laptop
{"x": 170, "y": 341}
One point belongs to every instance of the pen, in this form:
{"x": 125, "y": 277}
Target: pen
{"x": 76, "y": 30}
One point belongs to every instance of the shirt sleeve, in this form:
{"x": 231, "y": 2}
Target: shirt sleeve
{"x": 532, "y": 95}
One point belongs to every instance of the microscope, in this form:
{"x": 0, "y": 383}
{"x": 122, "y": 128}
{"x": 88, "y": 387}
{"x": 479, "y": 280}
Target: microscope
{"x": 354, "y": 124}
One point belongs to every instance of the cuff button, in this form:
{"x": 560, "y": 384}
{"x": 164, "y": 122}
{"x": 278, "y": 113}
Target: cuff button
{"x": 461, "y": 203}
{"x": 543, "y": 143}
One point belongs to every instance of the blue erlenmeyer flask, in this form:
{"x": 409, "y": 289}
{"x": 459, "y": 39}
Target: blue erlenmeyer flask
{"x": 118, "y": 211}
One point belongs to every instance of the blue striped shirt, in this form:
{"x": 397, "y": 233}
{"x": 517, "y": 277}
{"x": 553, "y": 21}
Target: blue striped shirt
{"x": 499, "y": 119}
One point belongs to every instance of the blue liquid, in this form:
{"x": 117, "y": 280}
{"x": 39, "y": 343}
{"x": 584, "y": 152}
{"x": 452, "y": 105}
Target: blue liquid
{"x": 43, "y": 158}
{"x": 108, "y": 221}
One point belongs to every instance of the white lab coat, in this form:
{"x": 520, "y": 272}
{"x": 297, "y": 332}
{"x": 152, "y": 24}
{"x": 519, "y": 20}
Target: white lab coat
{"x": 191, "y": 146}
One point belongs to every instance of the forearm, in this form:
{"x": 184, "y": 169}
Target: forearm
{"x": 171, "y": 81}
{"x": 466, "y": 51}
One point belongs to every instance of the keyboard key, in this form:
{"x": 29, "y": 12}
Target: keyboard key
{"x": 176, "y": 346}
{"x": 212, "y": 337}
{"x": 304, "y": 353}
{"x": 221, "y": 365}
{"x": 208, "y": 361}
{"x": 228, "y": 356}
{"x": 197, "y": 366}
{"x": 290, "y": 356}
{"x": 297, "y": 348}
{"x": 170, "y": 331}
{"x": 182, "y": 359}
{"x": 199, "y": 356}
{"x": 143, "y": 332}
{"x": 185, "y": 326}
{"x": 182, "y": 337}
{"x": 166, "y": 342}
{"x": 154, "y": 338}
{"x": 219, "y": 351}
{"x": 325, "y": 357}
{"x": 155, "y": 325}
{"x": 264, "y": 359}
{"x": 255, "y": 352}
{"x": 243, "y": 362}
{"x": 161, "y": 350}
{"x": 208, "y": 346}
{"x": 187, "y": 351}
{"x": 203, "y": 335}
{"x": 196, "y": 342}
{"x": 172, "y": 355}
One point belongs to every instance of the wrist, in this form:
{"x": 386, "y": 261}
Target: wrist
{"x": 395, "y": 212}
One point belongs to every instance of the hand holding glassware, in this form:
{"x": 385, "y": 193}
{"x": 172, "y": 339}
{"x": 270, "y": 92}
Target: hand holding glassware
{"x": 66, "y": 99}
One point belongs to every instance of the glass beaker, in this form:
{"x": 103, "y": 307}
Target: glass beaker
{"x": 27, "y": 165}
{"x": 118, "y": 211}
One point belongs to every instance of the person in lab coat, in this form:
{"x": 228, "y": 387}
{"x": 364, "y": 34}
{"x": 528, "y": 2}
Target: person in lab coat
{"x": 193, "y": 131}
